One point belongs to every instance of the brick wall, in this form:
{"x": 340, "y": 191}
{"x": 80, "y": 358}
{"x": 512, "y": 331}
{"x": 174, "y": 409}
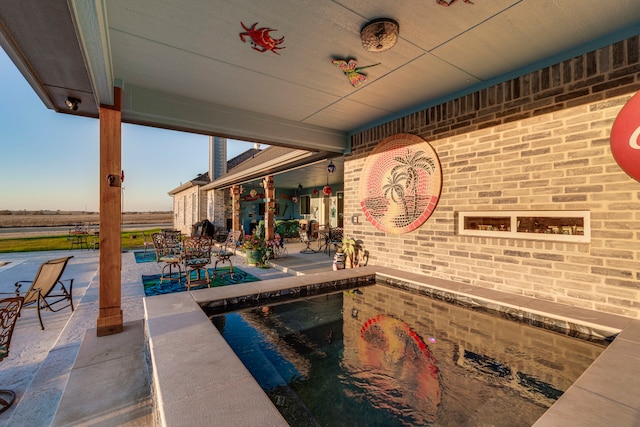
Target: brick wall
{"x": 189, "y": 207}
{"x": 537, "y": 142}
{"x": 219, "y": 208}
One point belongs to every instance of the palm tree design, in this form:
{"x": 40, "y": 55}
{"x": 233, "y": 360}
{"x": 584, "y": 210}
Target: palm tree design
{"x": 395, "y": 188}
{"x": 408, "y": 169}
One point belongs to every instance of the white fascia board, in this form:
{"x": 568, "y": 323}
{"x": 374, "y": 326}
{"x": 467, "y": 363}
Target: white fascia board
{"x": 93, "y": 32}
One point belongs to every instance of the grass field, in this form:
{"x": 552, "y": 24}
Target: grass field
{"x": 33, "y": 219}
{"x": 130, "y": 240}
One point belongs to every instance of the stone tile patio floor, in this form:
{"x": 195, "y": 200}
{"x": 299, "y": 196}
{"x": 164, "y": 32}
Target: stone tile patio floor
{"x": 64, "y": 375}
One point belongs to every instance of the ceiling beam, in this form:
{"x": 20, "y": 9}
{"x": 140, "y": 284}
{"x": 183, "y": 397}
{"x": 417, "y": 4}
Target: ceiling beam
{"x": 156, "y": 108}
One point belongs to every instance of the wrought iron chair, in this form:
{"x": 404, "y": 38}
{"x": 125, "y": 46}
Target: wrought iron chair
{"x": 147, "y": 243}
{"x": 304, "y": 238}
{"x": 47, "y": 290}
{"x": 197, "y": 254}
{"x": 9, "y": 312}
{"x": 169, "y": 253}
{"x": 225, "y": 253}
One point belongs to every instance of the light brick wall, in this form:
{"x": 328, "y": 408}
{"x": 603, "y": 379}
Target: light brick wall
{"x": 189, "y": 207}
{"x": 219, "y": 204}
{"x": 537, "y": 142}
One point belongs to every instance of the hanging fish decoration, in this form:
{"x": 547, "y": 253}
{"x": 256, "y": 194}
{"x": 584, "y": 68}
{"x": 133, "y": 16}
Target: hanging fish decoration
{"x": 352, "y": 71}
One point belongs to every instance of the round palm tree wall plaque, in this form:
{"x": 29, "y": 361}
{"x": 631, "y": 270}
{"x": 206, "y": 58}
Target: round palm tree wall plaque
{"x": 400, "y": 183}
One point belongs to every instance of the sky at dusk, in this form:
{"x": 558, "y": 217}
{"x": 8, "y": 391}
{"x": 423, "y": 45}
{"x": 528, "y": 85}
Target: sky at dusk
{"x": 50, "y": 161}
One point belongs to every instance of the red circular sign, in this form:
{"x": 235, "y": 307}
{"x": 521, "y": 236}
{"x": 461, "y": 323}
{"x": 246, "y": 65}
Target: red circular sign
{"x": 625, "y": 138}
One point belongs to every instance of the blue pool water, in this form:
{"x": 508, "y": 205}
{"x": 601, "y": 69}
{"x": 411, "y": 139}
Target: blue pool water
{"x": 379, "y": 356}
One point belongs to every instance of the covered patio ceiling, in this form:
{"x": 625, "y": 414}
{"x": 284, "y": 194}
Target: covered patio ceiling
{"x": 183, "y": 64}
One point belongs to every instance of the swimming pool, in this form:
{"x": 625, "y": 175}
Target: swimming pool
{"x": 383, "y": 356}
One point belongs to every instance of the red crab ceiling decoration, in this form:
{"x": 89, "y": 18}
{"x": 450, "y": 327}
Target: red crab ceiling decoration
{"x": 447, "y": 3}
{"x": 260, "y": 39}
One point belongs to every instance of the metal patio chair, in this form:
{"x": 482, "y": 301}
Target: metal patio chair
{"x": 196, "y": 255}
{"x": 171, "y": 254}
{"x": 304, "y": 238}
{"x": 226, "y": 252}
{"x": 9, "y": 312}
{"x": 47, "y": 291}
{"x": 147, "y": 243}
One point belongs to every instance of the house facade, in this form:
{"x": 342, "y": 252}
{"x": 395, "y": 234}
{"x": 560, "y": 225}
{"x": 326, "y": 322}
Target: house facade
{"x": 536, "y": 145}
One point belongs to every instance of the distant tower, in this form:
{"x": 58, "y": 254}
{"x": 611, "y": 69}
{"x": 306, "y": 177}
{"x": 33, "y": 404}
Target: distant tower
{"x": 217, "y": 157}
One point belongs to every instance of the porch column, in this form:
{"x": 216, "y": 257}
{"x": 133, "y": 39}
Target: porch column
{"x": 235, "y": 192}
{"x": 270, "y": 206}
{"x": 110, "y": 312}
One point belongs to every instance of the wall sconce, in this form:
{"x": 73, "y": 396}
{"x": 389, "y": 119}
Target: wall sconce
{"x": 379, "y": 35}
{"x": 72, "y": 103}
{"x": 331, "y": 168}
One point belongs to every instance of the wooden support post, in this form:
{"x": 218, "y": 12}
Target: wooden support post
{"x": 269, "y": 211}
{"x": 235, "y": 192}
{"x": 110, "y": 309}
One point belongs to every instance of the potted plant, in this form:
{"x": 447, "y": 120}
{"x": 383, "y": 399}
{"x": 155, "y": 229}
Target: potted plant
{"x": 254, "y": 247}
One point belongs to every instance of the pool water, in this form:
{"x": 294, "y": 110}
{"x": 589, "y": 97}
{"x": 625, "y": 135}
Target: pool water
{"x": 380, "y": 356}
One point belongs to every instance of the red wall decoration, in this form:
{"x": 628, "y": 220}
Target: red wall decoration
{"x": 400, "y": 183}
{"x": 625, "y": 138}
{"x": 260, "y": 39}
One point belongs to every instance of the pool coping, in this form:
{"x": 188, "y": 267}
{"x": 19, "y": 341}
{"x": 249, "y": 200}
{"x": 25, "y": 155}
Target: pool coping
{"x": 198, "y": 380}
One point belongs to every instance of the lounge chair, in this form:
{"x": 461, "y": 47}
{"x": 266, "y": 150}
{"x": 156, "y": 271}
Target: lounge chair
{"x": 9, "y": 312}
{"x": 197, "y": 254}
{"x": 47, "y": 290}
{"x": 225, "y": 253}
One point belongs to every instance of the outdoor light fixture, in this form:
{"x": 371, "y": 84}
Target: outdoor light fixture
{"x": 331, "y": 168}
{"x": 72, "y": 103}
{"x": 379, "y": 35}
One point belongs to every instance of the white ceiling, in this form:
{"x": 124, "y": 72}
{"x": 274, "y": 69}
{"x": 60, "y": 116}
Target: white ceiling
{"x": 182, "y": 64}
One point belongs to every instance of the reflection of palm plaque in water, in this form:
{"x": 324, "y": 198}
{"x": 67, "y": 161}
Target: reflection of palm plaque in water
{"x": 397, "y": 358}
{"x": 400, "y": 184}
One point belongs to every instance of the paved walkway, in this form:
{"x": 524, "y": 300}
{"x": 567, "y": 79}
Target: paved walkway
{"x": 40, "y": 363}
{"x": 64, "y": 375}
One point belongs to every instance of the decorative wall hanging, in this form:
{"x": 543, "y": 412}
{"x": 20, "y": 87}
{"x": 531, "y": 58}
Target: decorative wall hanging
{"x": 352, "y": 71}
{"x": 447, "y": 3}
{"x": 260, "y": 38}
{"x": 379, "y": 35}
{"x": 625, "y": 138}
{"x": 400, "y": 183}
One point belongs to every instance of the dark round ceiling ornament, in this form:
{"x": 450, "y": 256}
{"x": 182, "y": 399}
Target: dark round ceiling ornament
{"x": 379, "y": 35}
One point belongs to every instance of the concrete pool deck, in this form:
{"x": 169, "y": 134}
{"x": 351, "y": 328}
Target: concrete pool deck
{"x": 66, "y": 376}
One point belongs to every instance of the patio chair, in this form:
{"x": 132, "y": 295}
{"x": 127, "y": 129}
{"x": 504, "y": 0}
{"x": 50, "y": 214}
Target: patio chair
{"x": 147, "y": 243}
{"x": 304, "y": 238}
{"x": 9, "y": 312}
{"x": 197, "y": 254}
{"x": 47, "y": 290}
{"x": 170, "y": 254}
{"x": 225, "y": 253}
